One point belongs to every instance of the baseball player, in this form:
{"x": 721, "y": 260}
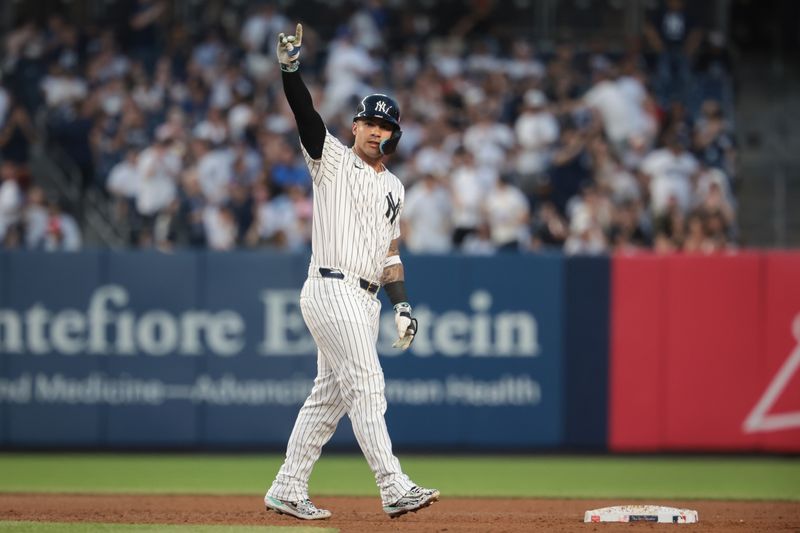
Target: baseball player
{"x": 354, "y": 252}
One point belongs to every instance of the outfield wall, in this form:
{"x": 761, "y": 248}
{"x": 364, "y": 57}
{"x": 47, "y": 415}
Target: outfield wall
{"x": 705, "y": 353}
{"x": 208, "y": 350}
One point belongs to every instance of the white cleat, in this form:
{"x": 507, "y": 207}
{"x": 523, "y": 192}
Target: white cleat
{"x": 303, "y": 509}
{"x": 415, "y": 499}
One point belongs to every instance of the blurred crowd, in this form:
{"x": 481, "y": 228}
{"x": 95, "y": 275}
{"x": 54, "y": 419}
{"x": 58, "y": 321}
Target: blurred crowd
{"x": 505, "y": 147}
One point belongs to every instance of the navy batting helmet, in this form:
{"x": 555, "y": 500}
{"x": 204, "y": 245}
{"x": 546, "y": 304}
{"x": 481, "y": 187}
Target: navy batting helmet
{"x": 386, "y": 108}
{"x": 379, "y": 106}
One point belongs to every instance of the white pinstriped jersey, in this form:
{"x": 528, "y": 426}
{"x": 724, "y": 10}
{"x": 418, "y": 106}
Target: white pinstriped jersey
{"x": 356, "y": 211}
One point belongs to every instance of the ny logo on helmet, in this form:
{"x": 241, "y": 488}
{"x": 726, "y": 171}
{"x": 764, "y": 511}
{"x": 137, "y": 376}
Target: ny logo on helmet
{"x": 382, "y": 107}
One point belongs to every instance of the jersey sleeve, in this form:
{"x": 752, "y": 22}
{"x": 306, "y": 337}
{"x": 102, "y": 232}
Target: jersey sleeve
{"x": 324, "y": 169}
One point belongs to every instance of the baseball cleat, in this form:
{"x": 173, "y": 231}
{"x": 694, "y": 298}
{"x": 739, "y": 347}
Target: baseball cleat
{"x": 415, "y": 499}
{"x": 303, "y": 509}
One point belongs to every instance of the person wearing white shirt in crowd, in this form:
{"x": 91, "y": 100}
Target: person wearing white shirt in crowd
{"x": 445, "y": 56}
{"x": 348, "y": 65}
{"x": 611, "y": 174}
{"x": 670, "y": 171}
{"x": 220, "y": 227}
{"x": 536, "y": 130}
{"x": 426, "y": 217}
{"x": 262, "y": 26}
{"x": 34, "y": 218}
{"x": 123, "y": 183}
{"x": 611, "y": 103}
{"x": 240, "y": 117}
{"x": 63, "y": 233}
{"x": 367, "y": 32}
{"x": 523, "y": 63}
{"x": 593, "y": 204}
{"x": 508, "y": 213}
{"x": 61, "y": 87}
{"x": 482, "y": 61}
{"x": 488, "y": 139}
{"x": 433, "y": 157}
{"x": 468, "y": 188}
{"x": 274, "y": 221}
{"x": 214, "y": 171}
{"x": 644, "y": 124}
{"x": 159, "y": 168}
{"x": 709, "y": 179}
{"x": 214, "y": 128}
{"x": 585, "y": 235}
{"x": 10, "y": 198}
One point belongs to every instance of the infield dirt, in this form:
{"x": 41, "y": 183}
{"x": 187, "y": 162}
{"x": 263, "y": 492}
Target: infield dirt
{"x": 356, "y": 515}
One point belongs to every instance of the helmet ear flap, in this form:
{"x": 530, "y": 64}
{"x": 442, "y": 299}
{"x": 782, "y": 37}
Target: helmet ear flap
{"x": 388, "y": 146}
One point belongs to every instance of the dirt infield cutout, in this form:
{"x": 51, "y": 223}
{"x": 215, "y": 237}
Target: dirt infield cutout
{"x": 360, "y": 514}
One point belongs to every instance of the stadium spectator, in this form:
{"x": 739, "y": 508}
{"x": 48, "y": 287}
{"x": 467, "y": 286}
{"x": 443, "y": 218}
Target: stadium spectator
{"x": 714, "y": 143}
{"x": 220, "y": 227}
{"x": 275, "y": 222}
{"x": 16, "y": 133}
{"x": 468, "y": 188}
{"x": 426, "y": 219}
{"x": 508, "y": 215}
{"x": 159, "y": 168}
{"x": 11, "y": 199}
{"x": 34, "y": 218}
{"x": 627, "y": 233}
{"x": 479, "y": 242}
{"x": 537, "y": 131}
{"x": 123, "y": 187}
{"x": 549, "y": 229}
{"x": 570, "y": 167}
{"x": 191, "y": 209}
{"x": 63, "y": 233}
{"x": 675, "y": 37}
{"x": 670, "y": 172}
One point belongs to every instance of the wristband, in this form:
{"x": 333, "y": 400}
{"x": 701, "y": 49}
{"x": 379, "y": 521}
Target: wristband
{"x": 396, "y": 291}
{"x": 291, "y": 67}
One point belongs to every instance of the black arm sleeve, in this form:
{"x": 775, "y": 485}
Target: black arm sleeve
{"x": 396, "y": 291}
{"x": 309, "y": 123}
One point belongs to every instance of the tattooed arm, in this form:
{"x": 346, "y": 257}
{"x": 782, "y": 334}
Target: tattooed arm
{"x": 394, "y": 270}
{"x": 393, "y": 281}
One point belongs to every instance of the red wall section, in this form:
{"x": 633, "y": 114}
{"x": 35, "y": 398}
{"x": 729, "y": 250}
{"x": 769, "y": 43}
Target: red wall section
{"x": 637, "y": 341}
{"x": 703, "y": 356}
{"x": 713, "y": 366}
{"x": 778, "y": 427}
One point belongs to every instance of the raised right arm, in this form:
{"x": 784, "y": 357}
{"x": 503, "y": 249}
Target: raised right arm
{"x": 309, "y": 123}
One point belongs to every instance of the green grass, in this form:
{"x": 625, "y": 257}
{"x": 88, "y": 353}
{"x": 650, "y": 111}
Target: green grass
{"x": 85, "y": 527}
{"x": 517, "y": 476}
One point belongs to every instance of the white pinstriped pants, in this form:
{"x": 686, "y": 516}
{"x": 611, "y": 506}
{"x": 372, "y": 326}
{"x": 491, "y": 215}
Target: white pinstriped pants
{"x": 343, "y": 319}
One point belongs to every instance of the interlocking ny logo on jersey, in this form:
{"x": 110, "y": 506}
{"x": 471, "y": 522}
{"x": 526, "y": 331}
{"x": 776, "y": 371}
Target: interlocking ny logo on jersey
{"x": 393, "y": 208}
{"x": 382, "y": 107}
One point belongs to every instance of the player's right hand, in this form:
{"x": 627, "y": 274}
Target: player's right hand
{"x": 289, "y": 47}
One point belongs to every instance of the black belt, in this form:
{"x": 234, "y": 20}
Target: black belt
{"x": 368, "y": 286}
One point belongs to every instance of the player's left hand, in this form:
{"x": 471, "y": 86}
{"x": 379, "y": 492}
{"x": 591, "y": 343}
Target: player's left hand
{"x": 406, "y": 326}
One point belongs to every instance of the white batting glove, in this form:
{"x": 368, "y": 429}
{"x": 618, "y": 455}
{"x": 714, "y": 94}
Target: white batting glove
{"x": 289, "y": 49}
{"x": 406, "y": 326}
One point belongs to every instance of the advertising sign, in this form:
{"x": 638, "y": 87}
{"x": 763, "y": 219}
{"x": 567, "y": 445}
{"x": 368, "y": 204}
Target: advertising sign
{"x": 133, "y": 349}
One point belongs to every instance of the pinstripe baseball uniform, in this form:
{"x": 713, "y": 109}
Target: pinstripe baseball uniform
{"x": 355, "y": 217}
{"x": 355, "y": 246}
